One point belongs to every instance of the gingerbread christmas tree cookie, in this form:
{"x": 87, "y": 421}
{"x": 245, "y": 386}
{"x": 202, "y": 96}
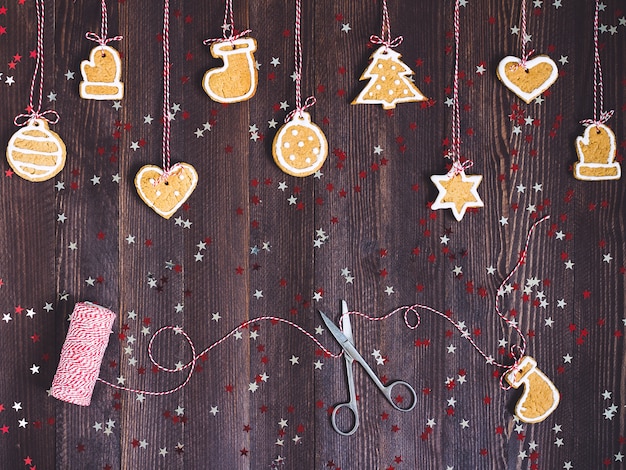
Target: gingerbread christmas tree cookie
{"x": 389, "y": 81}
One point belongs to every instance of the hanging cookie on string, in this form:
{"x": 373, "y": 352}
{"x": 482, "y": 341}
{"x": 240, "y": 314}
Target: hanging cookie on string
{"x": 35, "y": 152}
{"x": 102, "y": 72}
{"x": 237, "y": 79}
{"x": 596, "y": 148}
{"x": 389, "y": 77}
{"x": 167, "y": 188}
{"x": 457, "y": 190}
{"x": 525, "y": 76}
{"x": 300, "y": 147}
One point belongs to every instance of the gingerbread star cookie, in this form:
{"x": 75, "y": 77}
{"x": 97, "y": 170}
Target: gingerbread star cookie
{"x": 457, "y": 192}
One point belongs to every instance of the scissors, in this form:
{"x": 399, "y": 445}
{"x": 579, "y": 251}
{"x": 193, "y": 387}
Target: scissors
{"x": 350, "y": 354}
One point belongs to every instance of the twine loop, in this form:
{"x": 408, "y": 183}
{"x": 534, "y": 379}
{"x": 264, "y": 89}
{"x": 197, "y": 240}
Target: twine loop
{"x": 388, "y": 42}
{"x": 49, "y": 115}
{"x": 310, "y": 101}
{"x": 230, "y": 38}
{"x": 102, "y": 39}
{"x": 602, "y": 119}
{"x": 167, "y": 173}
{"x": 459, "y": 167}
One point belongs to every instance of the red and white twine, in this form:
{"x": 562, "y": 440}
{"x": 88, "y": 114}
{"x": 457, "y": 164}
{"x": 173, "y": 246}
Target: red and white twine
{"x": 191, "y": 365}
{"x": 167, "y": 125}
{"x": 524, "y": 37}
{"x": 385, "y": 32}
{"x": 454, "y": 153}
{"x": 516, "y": 351}
{"x": 34, "y": 111}
{"x": 82, "y": 353}
{"x": 600, "y": 116}
{"x": 310, "y": 101}
{"x": 104, "y": 28}
{"x": 229, "y": 33}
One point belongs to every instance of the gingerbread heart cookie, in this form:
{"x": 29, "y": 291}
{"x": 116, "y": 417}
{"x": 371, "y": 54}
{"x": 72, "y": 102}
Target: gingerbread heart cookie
{"x": 596, "y": 155}
{"x": 101, "y": 75}
{"x": 166, "y": 193}
{"x": 530, "y": 80}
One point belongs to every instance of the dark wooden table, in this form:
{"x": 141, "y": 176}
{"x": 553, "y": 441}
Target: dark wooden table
{"x": 252, "y": 241}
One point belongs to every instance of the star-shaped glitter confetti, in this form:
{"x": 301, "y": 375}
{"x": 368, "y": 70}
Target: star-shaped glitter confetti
{"x": 458, "y": 192}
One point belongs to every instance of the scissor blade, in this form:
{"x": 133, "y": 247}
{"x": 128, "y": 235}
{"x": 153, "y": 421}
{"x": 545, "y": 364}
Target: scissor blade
{"x": 334, "y": 330}
{"x": 346, "y": 326}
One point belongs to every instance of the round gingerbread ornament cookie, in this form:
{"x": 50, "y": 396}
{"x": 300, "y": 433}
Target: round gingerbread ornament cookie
{"x": 300, "y": 147}
{"x": 35, "y": 152}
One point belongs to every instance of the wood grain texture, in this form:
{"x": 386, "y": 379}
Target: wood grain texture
{"x": 252, "y": 241}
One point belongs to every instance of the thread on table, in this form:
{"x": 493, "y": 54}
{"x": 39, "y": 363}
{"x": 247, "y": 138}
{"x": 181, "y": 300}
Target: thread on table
{"x": 82, "y": 353}
{"x": 102, "y": 38}
{"x": 90, "y": 326}
{"x": 310, "y": 101}
{"x": 229, "y": 33}
{"x": 35, "y": 98}
{"x": 86, "y": 341}
{"x": 600, "y": 116}
{"x": 516, "y": 351}
{"x": 385, "y": 32}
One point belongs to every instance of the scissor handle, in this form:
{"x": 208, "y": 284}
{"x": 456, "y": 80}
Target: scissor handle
{"x": 333, "y": 418}
{"x": 388, "y": 392}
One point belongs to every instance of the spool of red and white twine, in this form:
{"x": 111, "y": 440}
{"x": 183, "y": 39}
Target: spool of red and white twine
{"x": 82, "y": 353}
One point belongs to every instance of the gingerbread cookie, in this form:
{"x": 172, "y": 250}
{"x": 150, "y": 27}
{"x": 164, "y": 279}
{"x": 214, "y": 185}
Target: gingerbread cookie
{"x": 531, "y": 80}
{"x": 596, "y": 155}
{"x": 458, "y": 192}
{"x": 101, "y": 75}
{"x": 389, "y": 81}
{"x": 237, "y": 79}
{"x": 35, "y": 152}
{"x": 300, "y": 147}
{"x": 166, "y": 194}
{"x": 540, "y": 396}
